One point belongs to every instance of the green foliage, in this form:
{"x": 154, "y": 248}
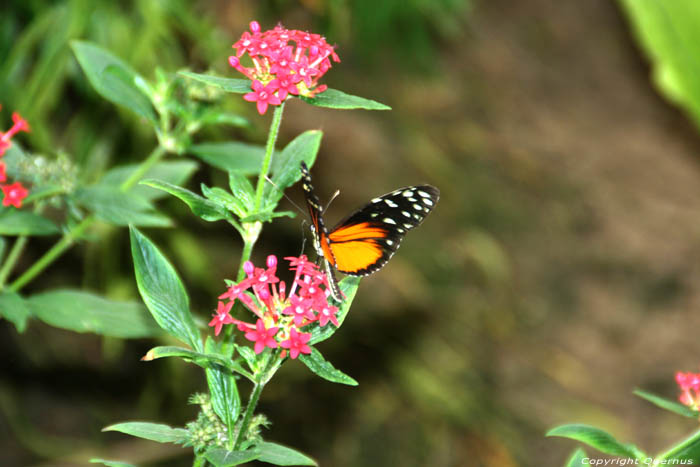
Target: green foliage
{"x": 598, "y": 439}
{"x": 577, "y": 458}
{"x": 14, "y": 309}
{"x": 671, "y": 406}
{"x": 224, "y": 458}
{"x": 349, "y": 287}
{"x": 281, "y": 455}
{"x": 231, "y": 156}
{"x": 669, "y": 33}
{"x": 152, "y": 431}
{"x": 323, "y": 368}
{"x": 16, "y": 222}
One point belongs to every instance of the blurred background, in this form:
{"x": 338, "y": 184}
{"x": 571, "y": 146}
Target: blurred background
{"x": 558, "y": 272}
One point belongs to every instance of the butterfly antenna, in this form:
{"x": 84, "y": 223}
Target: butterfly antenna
{"x": 335, "y": 195}
{"x": 304, "y": 213}
{"x": 303, "y": 236}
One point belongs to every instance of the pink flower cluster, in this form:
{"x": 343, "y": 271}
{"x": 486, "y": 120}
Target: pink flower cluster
{"x": 281, "y": 316}
{"x": 690, "y": 389}
{"x": 285, "y": 62}
{"x": 13, "y": 193}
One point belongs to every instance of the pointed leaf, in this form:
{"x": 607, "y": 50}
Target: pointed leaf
{"x": 17, "y": 222}
{"x": 669, "y": 405}
{"x": 323, "y": 368}
{"x": 205, "y": 360}
{"x": 221, "y": 457}
{"x": 238, "y": 86}
{"x": 113, "y": 79}
{"x": 109, "y": 463}
{"x": 231, "y": 156}
{"x": 349, "y": 287}
{"x": 577, "y": 458}
{"x": 175, "y": 172}
{"x": 85, "y": 312}
{"x": 199, "y": 205}
{"x": 162, "y": 291}
{"x": 598, "y": 439}
{"x": 223, "y": 389}
{"x": 226, "y": 200}
{"x": 242, "y": 190}
{"x": 687, "y": 450}
{"x": 153, "y": 431}
{"x": 277, "y": 454}
{"x": 285, "y": 166}
{"x": 14, "y": 309}
{"x": 119, "y": 208}
{"x": 334, "y": 99}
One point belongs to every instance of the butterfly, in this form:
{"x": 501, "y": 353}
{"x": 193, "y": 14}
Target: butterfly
{"x": 364, "y": 241}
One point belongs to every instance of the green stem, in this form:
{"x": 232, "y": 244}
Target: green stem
{"x": 269, "y": 151}
{"x": 12, "y": 258}
{"x": 199, "y": 461}
{"x": 50, "y": 256}
{"x": 252, "y": 403}
{"x": 245, "y": 256}
{"x": 70, "y": 237}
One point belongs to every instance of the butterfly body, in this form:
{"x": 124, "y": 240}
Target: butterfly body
{"x": 364, "y": 241}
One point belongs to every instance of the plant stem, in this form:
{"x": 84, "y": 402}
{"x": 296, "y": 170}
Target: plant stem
{"x": 199, "y": 461}
{"x": 12, "y": 258}
{"x": 269, "y": 151}
{"x": 70, "y": 237}
{"x": 252, "y": 403}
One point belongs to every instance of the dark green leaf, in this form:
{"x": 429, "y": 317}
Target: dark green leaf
{"x": 239, "y": 86}
{"x": 110, "y": 463}
{"x": 334, "y": 99}
{"x": 249, "y": 356}
{"x": 267, "y": 215}
{"x": 242, "y": 190}
{"x": 323, "y": 368}
{"x": 113, "y": 79}
{"x": 598, "y": 439}
{"x": 349, "y": 287}
{"x": 85, "y": 312}
{"x": 277, "y": 454}
{"x": 162, "y": 290}
{"x": 669, "y": 405}
{"x": 223, "y": 458}
{"x": 152, "y": 431}
{"x": 231, "y": 156}
{"x": 14, "y": 309}
{"x": 577, "y": 458}
{"x": 223, "y": 390}
{"x": 176, "y": 172}
{"x": 199, "y": 205}
{"x": 226, "y": 200}
{"x": 17, "y": 222}
{"x": 285, "y": 166}
{"x": 119, "y": 208}
{"x": 205, "y": 360}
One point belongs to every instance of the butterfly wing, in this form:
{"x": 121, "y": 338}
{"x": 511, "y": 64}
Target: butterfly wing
{"x": 363, "y": 242}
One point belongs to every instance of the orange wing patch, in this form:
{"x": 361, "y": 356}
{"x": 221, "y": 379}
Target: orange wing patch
{"x": 354, "y": 256}
{"x": 360, "y": 231}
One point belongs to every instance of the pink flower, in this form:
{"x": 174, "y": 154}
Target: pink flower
{"x": 284, "y": 58}
{"x": 690, "y": 389}
{"x": 3, "y": 174}
{"x": 14, "y": 194}
{"x": 263, "y": 95}
{"x": 297, "y": 343}
{"x": 19, "y": 124}
{"x": 262, "y": 337}
{"x": 221, "y": 317}
{"x": 327, "y": 313}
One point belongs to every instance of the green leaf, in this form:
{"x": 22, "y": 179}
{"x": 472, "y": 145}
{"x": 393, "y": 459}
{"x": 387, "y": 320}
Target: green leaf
{"x": 226, "y": 200}
{"x": 285, "y": 166}
{"x": 17, "y": 222}
{"x": 152, "y": 431}
{"x": 277, "y": 454}
{"x": 598, "y": 439}
{"x": 205, "y": 360}
{"x": 242, "y": 190}
{"x": 687, "y": 450}
{"x": 231, "y": 156}
{"x": 14, "y": 309}
{"x": 349, "y": 287}
{"x": 267, "y": 215}
{"x": 109, "y": 463}
{"x": 199, "y": 205}
{"x": 334, "y": 99}
{"x": 577, "y": 458}
{"x": 669, "y": 405}
{"x": 113, "y": 79}
{"x": 162, "y": 291}
{"x": 175, "y": 172}
{"x": 239, "y": 86}
{"x": 85, "y": 312}
{"x": 223, "y": 458}
{"x": 323, "y": 368}
{"x": 249, "y": 356}
{"x": 119, "y": 208}
{"x": 223, "y": 390}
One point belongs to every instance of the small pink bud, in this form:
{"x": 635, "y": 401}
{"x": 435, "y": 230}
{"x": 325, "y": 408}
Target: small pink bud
{"x": 248, "y": 268}
{"x": 254, "y": 27}
{"x": 271, "y": 261}
{"x": 233, "y": 61}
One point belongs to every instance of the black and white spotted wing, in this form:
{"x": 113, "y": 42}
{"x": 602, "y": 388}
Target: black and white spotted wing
{"x": 364, "y": 241}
